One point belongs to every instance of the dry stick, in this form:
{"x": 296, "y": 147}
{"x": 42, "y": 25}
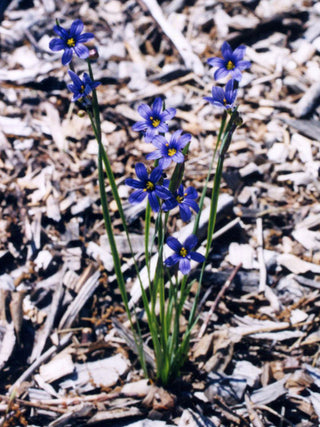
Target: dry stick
{"x": 152, "y": 91}
{"x": 88, "y": 288}
{"x": 217, "y": 234}
{"x": 229, "y": 412}
{"x": 180, "y": 42}
{"x": 254, "y": 418}
{"x": 263, "y": 287}
{"x": 72, "y": 401}
{"x": 283, "y": 327}
{"x": 33, "y": 404}
{"x": 225, "y": 228}
{"x": 262, "y": 266}
{"x": 275, "y": 413}
{"x": 217, "y": 300}
{"x": 64, "y": 341}
{"x": 85, "y": 292}
{"x": 127, "y": 335}
{"x": 43, "y": 336}
{"x": 297, "y": 343}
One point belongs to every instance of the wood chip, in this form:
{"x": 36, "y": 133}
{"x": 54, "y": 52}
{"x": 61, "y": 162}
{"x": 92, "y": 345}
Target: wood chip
{"x": 57, "y": 368}
{"x": 101, "y": 373}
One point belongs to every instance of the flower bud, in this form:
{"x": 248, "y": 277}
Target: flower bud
{"x": 238, "y": 121}
{"x": 93, "y": 53}
{"x": 81, "y": 113}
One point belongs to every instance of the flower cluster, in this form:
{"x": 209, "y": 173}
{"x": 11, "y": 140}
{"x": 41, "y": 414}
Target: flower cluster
{"x": 232, "y": 64}
{"x": 160, "y": 195}
{"x": 72, "y": 41}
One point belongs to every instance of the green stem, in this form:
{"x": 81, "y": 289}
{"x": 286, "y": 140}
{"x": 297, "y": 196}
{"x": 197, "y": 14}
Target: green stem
{"x": 103, "y": 160}
{"x": 146, "y": 238}
{"x": 226, "y": 140}
{"x": 204, "y": 191}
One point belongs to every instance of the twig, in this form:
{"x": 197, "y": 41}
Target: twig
{"x": 152, "y": 91}
{"x": 217, "y": 300}
{"x": 225, "y": 228}
{"x": 190, "y": 59}
{"x": 283, "y": 327}
{"x": 89, "y": 286}
{"x": 64, "y": 341}
{"x": 128, "y": 337}
{"x": 228, "y": 412}
{"x": 34, "y": 404}
{"x": 255, "y": 420}
{"x": 70, "y": 401}
{"x": 263, "y": 287}
{"x": 45, "y": 331}
{"x": 262, "y": 266}
{"x": 275, "y": 413}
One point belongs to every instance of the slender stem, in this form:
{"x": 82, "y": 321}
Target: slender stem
{"x": 226, "y": 139}
{"x": 203, "y": 194}
{"x": 116, "y": 259}
{"x": 161, "y": 287}
{"x": 146, "y": 237}
{"x": 96, "y": 124}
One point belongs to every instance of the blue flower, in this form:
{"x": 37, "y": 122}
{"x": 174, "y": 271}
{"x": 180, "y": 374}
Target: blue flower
{"x": 81, "y": 88}
{"x": 154, "y": 119}
{"x": 231, "y": 63}
{"x": 71, "y": 41}
{"x": 223, "y": 98}
{"x": 185, "y": 199}
{"x": 148, "y": 185}
{"x": 183, "y": 253}
{"x": 169, "y": 151}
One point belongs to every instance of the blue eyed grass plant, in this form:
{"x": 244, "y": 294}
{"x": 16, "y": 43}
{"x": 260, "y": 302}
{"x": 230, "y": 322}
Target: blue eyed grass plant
{"x": 168, "y": 285}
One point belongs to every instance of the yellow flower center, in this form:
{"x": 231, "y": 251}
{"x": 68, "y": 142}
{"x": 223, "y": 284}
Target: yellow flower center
{"x": 155, "y": 122}
{"x": 149, "y": 186}
{"x": 224, "y": 101}
{"x": 183, "y": 252}
{"x": 71, "y": 42}
{"x": 172, "y": 152}
{"x": 82, "y": 89}
{"x": 179, "y": 199}
{"x": 230, "y": 65}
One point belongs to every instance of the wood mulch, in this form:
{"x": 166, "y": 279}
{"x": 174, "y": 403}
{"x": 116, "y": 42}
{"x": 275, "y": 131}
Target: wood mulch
{"x": 65, "y": 353}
